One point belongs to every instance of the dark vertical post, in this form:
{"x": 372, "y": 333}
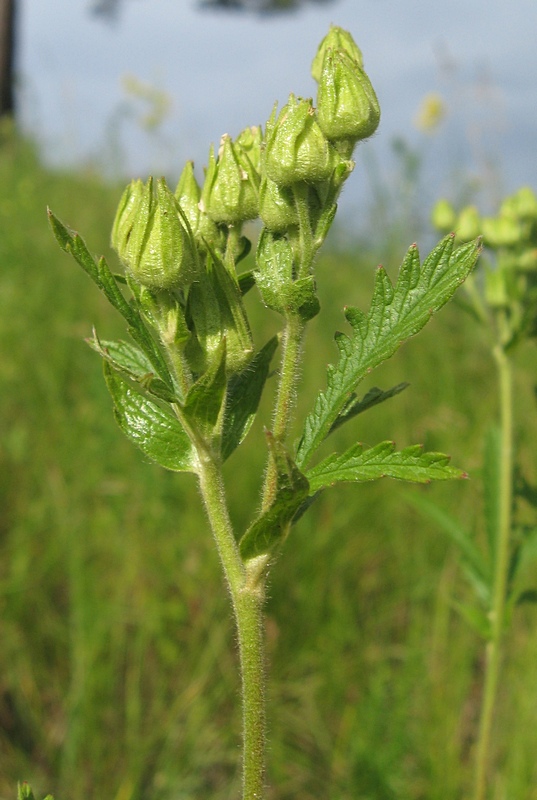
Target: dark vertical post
{"x": 7, "y": 57}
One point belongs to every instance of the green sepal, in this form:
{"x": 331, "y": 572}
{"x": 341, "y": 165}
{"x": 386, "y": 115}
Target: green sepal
{"x": 396, "y": 313}
{"x": 275, "y": 279}
{"x": 133, "y": 363}
{"x": 204, "y": 401}
{"x": 154, "y": 430}
{"x": 102, "y": 276}
{"x": 215, "y": 311}
{"x": 268, "y": 531}
{"x": 382, "y": 461}
{"x": 372, "y": 398}
{"x": 243, "y": 396}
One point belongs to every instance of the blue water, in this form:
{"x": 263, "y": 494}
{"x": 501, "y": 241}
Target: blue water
{"x": 223, "y": 71}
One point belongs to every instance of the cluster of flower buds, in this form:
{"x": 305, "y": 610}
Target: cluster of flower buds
{"x": 180, "y": 249}
{"x": 511, "y": 283}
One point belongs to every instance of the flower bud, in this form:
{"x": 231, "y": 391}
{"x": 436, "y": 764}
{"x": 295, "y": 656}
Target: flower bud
{"x": 231, "y": 188}
{"x": 496, "y": 289}
{"x": 522, "y": 204}
{"x": 296, "y": 149}
{"x": 276, "y": 206}
{"x": 468, "y": 224}
{"x": 347, "y": 106}
{"x": 151, "y": 239}
{"x": 248, "y": 147}
{"x": 188, "y": 194}
{"x": 337, "y": 40}
{"x": 443, "y": 216}
{"x": 502, "y": 231}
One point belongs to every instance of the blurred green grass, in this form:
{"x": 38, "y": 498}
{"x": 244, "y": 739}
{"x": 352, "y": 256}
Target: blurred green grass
{"x": 117, "y": 661}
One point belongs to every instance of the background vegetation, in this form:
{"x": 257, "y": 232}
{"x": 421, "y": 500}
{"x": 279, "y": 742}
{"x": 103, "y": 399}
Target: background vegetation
{"x": 117, "y": 660}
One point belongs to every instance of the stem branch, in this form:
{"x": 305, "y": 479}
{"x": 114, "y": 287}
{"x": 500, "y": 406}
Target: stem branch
{"x": 247, "y": 605}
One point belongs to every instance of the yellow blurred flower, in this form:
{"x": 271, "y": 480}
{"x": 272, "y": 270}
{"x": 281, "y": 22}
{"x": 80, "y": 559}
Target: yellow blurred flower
{"x": 430, "y": 113}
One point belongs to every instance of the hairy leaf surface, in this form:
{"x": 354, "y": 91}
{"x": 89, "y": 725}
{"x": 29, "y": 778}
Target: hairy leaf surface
{"x": 396, "y": 313}
{"x": 155, "y": 431}
{"x": 269, "y": 529}
{"x": 382, "y": 461}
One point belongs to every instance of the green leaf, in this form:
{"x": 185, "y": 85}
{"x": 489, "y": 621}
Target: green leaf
{"x": 100, "y": 273}
{"x": 155, "y": 431}
{"x": 132, "y": 362}
{"x": 396, "y": 313}
{"x": 382, "y": 461}
{"x": 204, "y": 400}
{"x": 243, "y": 396}
{"x": 269, "y": 530}
{"x": 373, "y": 397}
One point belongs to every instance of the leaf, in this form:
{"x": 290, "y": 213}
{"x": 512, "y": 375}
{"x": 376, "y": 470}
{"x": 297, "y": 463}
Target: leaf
{"x": 270, "y": 528}
{"x": 132, "y": 362}
{"x": 243, "y": 396}
{"x": 373, "y": 397}
{"x": 396, "y": 313}
{"x": 155, "y": 431}
{"x": 101, "y": 274}
{"x": 204, "y": 400}
{"x": 382, "y": 461}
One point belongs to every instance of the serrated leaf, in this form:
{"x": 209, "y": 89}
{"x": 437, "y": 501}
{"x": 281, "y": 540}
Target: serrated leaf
{"x": 382, "y": 461}
{"x": 396, "y": 313}
{"x": 100, "y": 273}
{"x": 157, "y": 432}
{"x": 132, "y": 362}
{"x": 372, "y": 398}
{"x": 243, "y": 396}
{"x": 268, "y": 531}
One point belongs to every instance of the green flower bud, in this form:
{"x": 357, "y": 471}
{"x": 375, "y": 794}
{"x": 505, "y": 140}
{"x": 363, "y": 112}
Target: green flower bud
{"x": 527, "y": 260}
{"x": 151, "y": 239}
{"x": 523, "y": 204}
{"x": 347, "y": 106}
{"x": 276, "y": 206}
{"x": 443, "y": 216}
{"x": 502, "y": 231}
{"x": 248, "y": 147}
{"x": 296, "y": 149}
{"x": 337, "y": 40}
{"x": 188, "y": 194}
{"x": 231, "y": 188}
{"x": 468, "y": 224}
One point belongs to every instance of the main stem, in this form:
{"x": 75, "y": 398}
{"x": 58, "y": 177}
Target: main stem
{"x": 497, "y": 615}
{"x": 247, "y": 602}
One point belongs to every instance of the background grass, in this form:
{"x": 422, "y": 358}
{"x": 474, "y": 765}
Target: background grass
{"x": 117, "y": 662}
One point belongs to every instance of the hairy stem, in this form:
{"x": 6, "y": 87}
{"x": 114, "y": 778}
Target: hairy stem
{"x": 247, "y": 602}
{"x": 497, "y": 614}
